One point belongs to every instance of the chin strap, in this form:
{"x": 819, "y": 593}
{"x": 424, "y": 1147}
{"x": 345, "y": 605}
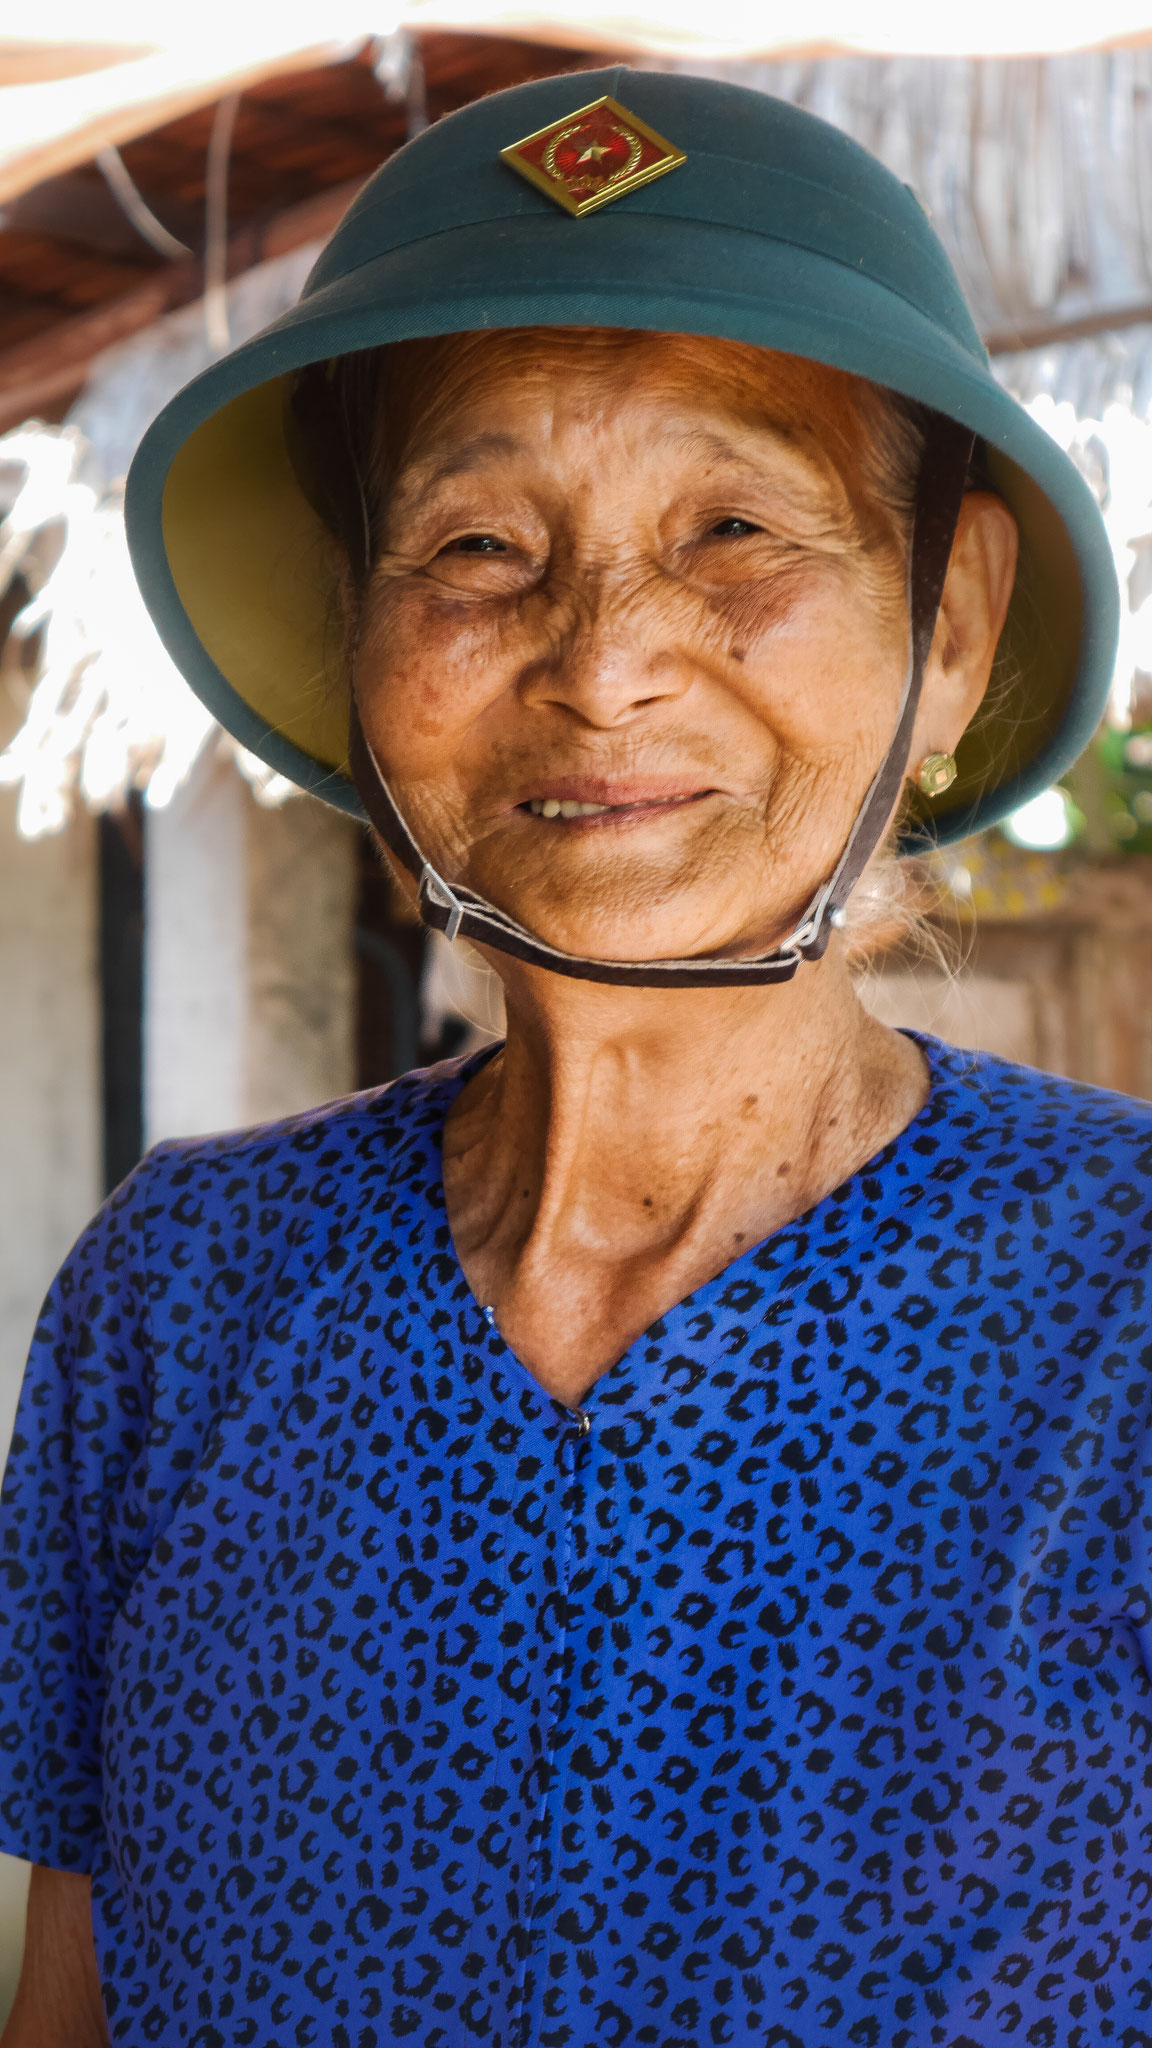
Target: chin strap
{"x": 459, "y": 912}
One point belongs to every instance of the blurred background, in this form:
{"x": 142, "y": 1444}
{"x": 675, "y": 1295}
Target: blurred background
{"x": 185, "y": 943}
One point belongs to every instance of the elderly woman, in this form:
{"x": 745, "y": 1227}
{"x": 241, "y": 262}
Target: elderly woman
{"x": 637, "y": 1536}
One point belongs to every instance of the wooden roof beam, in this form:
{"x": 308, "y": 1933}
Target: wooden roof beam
{"x": 1048, "y": 332}
{"x": 36, "y": 373}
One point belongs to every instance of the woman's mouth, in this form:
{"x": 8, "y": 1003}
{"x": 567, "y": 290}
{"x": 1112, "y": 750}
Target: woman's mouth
{"x": 557, "y": 807}
{"x": 570, "y": 810}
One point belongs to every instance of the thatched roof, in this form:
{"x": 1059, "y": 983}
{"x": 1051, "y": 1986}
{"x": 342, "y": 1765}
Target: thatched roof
{"x": 106, "y": 710}
{"x": 76, "y": 81}
{"x": 1037, "y": 174}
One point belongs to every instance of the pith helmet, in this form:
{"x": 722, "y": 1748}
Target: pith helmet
{"x": 709, "y": 210}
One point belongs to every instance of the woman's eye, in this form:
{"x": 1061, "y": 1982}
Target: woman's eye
{"x": 733, "y": 529}
{"x": 475, "y": 544}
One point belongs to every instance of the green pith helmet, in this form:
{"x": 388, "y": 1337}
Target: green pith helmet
{"x": 720, "y": 212}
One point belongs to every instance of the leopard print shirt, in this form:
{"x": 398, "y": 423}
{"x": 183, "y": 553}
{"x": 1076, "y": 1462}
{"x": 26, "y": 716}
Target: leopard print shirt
{"x": 792, "y": 1691}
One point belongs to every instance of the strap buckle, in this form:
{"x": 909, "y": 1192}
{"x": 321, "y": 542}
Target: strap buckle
{"x": 434, "y": 889}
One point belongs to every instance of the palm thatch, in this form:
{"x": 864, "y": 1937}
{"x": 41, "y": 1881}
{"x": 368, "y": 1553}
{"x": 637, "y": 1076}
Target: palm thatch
{"x": 104, "y": 709}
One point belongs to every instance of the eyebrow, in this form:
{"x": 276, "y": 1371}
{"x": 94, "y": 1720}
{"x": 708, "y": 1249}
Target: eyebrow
{"x": 466, "y": 455}
{"x": 709, "y": 441}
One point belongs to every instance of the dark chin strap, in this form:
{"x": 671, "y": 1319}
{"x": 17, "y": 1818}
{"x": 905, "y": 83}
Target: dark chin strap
{"x": 460, "y": 913}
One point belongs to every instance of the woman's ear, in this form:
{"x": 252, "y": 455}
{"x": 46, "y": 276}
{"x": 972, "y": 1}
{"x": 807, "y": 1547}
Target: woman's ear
{"x": 973, "y": 608}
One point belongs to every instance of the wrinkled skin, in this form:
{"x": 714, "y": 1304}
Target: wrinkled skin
{"x": 663, "y": 575}
{"x": 603, "y": 569}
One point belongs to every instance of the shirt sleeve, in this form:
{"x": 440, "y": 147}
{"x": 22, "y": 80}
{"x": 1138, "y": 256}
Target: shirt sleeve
{"x": 69, "y": 1535}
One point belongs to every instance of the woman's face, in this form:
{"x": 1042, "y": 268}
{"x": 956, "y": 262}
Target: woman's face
{"x": 634, "y": 644}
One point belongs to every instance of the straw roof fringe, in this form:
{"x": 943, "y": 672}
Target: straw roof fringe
{"x": 108, "y": 711}
{"x": 1036, "y": 172}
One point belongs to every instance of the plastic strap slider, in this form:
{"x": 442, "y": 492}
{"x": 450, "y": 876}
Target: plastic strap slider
{"x": 434, "y": 889}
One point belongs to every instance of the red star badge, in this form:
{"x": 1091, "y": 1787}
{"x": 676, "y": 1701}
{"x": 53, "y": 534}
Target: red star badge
{"x": 593, "y": 156}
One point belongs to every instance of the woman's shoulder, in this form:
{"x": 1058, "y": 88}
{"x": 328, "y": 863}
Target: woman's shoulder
{"x": 1030, "y": 1106}
{"x": 181, "y": 1271}
{"x": 211, "y": 1220}
{"x": 383, "y": 1133}
{"x": 1012, "y": 1138}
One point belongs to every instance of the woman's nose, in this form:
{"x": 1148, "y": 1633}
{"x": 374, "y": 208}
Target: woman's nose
{"x": 612, "y": 653}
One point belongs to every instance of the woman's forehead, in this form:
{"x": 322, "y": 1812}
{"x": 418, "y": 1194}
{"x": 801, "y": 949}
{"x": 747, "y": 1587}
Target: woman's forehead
{"x": 482, "y": 385}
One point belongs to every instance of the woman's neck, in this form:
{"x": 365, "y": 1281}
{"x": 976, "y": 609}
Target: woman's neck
{"x": 628, "y": 1145}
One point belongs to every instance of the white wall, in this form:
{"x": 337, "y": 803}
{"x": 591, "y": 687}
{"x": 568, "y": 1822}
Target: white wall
{"x": 195, "y": 955}
{"x": 978, "y": 1011}
{"x": 300, "y": 1045}
{"x": 49, "y": 1071}
{"x": 49, "y": 1129}
{"x": 248, "y": 957}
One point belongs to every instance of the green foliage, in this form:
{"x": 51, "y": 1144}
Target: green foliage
{"x": 1122, "y": 786}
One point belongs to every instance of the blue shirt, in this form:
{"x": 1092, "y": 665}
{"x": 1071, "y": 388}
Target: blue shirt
{"x": 793, "y": 1691}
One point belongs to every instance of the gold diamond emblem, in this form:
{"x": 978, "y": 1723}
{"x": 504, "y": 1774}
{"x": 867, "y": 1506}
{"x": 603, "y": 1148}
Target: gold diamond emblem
{"x": 592, "y": 156}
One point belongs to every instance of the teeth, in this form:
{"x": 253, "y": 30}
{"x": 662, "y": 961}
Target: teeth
{"x": 551, "y": 807}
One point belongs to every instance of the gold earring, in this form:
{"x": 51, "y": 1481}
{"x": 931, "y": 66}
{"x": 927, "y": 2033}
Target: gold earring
{"x": 936, "y": 773}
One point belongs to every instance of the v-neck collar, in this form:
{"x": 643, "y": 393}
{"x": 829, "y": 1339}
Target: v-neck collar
{"x": 823, "y": 1233}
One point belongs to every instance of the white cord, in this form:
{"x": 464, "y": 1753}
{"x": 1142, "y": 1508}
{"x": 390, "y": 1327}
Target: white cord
{"x": 120, "y": 183}
{"x": 216, "y": 223}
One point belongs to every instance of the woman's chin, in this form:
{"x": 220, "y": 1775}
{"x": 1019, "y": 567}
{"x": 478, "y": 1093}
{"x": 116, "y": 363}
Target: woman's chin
{"x": 644, "y": 902}
{"x": 670, "y": 909}
{"x": 600, "y": 934}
